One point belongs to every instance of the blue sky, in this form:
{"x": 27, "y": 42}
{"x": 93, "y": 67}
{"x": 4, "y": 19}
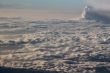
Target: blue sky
{"x": 42, "y": 9}
{"x": 43, "y": 4}
{"x": 55, "y": 8}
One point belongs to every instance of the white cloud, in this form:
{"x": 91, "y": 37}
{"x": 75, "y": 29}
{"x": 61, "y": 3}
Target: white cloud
{"x": 101, "y": 4}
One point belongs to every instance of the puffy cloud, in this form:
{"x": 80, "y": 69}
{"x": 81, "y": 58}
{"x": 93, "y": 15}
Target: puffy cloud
{"x": 101, "y": 4}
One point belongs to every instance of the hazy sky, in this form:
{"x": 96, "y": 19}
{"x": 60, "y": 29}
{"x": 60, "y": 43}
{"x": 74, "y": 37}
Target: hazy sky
{"x": 55, "y": 8}
{"x": 43, "y": 4}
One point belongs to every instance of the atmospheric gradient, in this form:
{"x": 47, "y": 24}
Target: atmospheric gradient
{"x": 42, "y": 9}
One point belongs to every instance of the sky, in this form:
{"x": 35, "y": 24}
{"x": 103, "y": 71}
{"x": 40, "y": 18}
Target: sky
{"x": 42, "y": 4}
{"x": 60, "y": 7}
{"x": 49, "y": 8}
